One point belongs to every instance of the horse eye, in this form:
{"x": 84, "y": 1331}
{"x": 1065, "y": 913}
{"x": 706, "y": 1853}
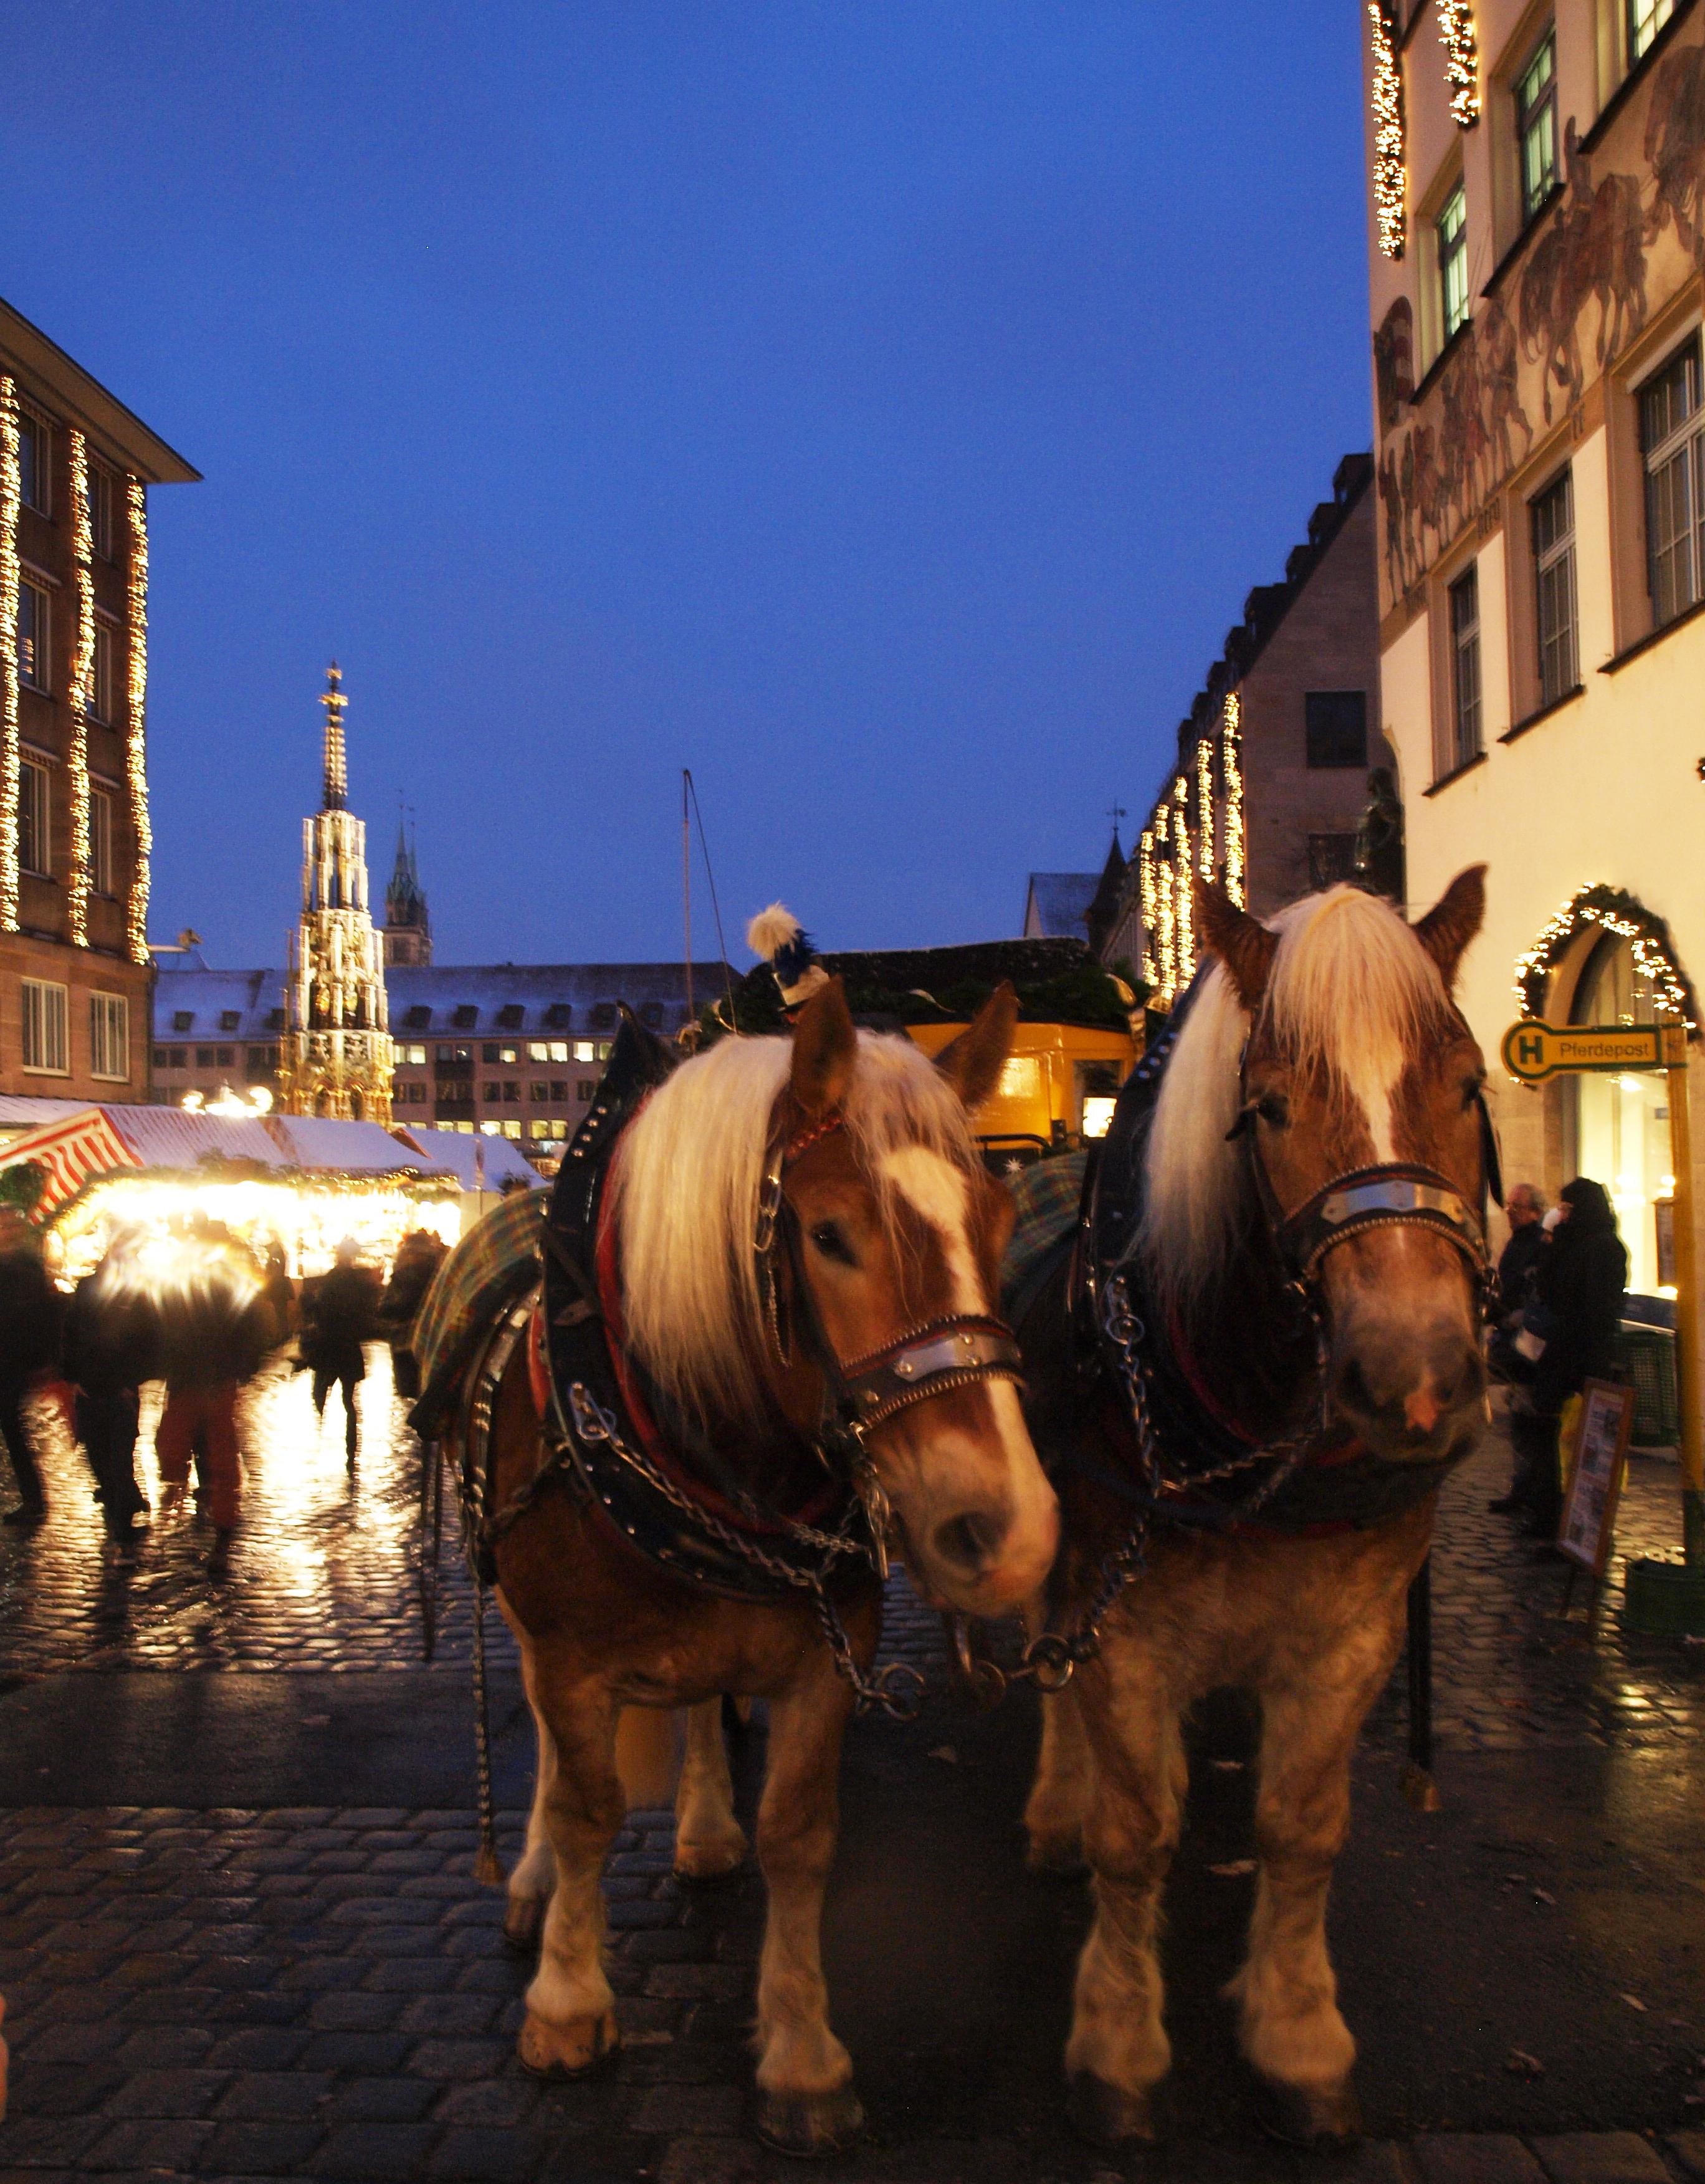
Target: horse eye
{"x": 828, "y": 1239}
{"x": 1273, "y": 1109}
{"x": 1472, "y": 1088}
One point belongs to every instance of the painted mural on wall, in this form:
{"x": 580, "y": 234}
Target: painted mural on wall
{"x": 1615, "y": 245}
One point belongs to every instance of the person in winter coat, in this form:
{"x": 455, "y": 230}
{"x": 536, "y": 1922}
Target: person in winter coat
{"x": 1578, "y": 1288}
{"x": 340, "y": 1313}
{"x": 31, "y": 1318}
{"x": 112, "y": 1346}
{"x": 419, "y": 1257}
{"x": 214, "y": 1330}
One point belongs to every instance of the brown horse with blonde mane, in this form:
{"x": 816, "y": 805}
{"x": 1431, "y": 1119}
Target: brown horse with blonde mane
{"x": 797, "y": 1255}
{"x": 1271, "y": 1362}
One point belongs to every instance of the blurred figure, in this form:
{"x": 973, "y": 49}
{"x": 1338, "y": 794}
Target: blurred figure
{"x": 419, "y": 1257}
{"x": 280, "y": 1292}
{"x": 214, "y": 1330}
{"x": 340, "y": 1313}
{"x": 31, "y": 1316}
{"x": 112, "y": 1346}
{"x": 1512, "y": 1291}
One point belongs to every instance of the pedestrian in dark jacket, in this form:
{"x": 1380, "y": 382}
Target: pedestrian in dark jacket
{"x": 30, "y": 1317}
{"x": 419, "y": 1257}
{"x": 112, "y": 1346}
{"x": 340, "y": 1313}
{"x": 1578, "y": 1288}
{"x": 214, "y": 1330}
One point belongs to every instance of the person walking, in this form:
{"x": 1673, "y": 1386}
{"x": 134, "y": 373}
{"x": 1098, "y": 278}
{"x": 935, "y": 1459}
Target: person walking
{"x": 30, "y": 1324}
{"x": 214, "y": 1330}
{"x": 1579, "y": 1285}
{"x": 419, "y": 1257}
{"x": 112, "y": 1346}
{"x": 340, "y": 1315}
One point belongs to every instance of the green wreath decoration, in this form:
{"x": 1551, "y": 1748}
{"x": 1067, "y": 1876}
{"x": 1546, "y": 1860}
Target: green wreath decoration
{"x": 1617, "y": 911}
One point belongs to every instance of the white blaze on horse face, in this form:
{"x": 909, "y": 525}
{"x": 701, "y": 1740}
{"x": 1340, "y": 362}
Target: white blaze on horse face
{"x": 940, "y": 1193}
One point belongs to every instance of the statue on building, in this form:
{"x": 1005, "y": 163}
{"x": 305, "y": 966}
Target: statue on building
{"x": 1379, "y": 838}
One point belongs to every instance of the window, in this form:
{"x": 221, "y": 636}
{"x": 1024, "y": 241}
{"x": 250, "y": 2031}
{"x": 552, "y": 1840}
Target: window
{"x": 204, "y": 1058}
{"x": 419, "y": 1017}
{"x": 1646, "y": 19}
{"x": 466, "y": 1017}
{"x": 456, "y": 1055}
{"x": 109, "y": 1036}
{"x": 559, "y": 1091}
{"x": 259, "y": 1062}
{"x": 227, "y": 1057}
{"x": 1335, "y": 723}
{"x": 582, "y": 1092}
{"x": 511, "y": 1054}
{"x": 584, "y": 1050}
{"x": 1537, "y": 125}
{"x": 35, "y": 444}
{"x": 492, "y": 1092}
{"x": 229, "y": 1019}
{"x": 32, "y": 636}
{"x": 1331, "y": 858}
{"x": 538, "y": 1093}
{"x": 1553, "y": 527}
{"x": 546, "y": 1050}
{"x": 1451, "y": 231}
{"x": 416, "y": 1093}
{"x": 101, "y": 674}
{"x": 163, "y": 1057}
{"x": 1672, "y": 435}
{"x": 604, "y": 1016}
{"x": 416, "y": 1055}
{"x": 558, "y": 1015}
{"x": 510, "y": 1015}
{"x": 33, "y": 814}
{"x": 511, "y": 1089}
{"x": 1465, "y": 667}
{"x": 45, "y": 1045}
{"x": 101, "y": 511}
{"x": 183, "y": 1020}
{"x": 101, "y": 841}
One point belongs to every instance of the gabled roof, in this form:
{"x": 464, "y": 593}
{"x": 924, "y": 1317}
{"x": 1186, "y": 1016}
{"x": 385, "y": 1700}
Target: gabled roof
{"x": 1057, "y": 905}
{"x": 116, "y": 431}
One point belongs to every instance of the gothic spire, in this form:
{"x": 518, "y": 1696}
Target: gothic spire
{"x": 336, "y": 789}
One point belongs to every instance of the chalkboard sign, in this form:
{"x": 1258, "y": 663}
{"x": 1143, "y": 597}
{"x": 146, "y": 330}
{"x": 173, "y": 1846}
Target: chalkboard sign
{"x": 1603, "y": 1421}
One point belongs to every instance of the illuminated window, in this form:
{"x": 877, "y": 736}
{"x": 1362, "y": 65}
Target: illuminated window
{"x": 32, "y": 637}
{"x": 416, "y": 1055}
{"x": 1553, "y": 539}
{"x": 34, "y": 812}
{"x": 1672, "y": 431}
{"x": 1465, "y": 667}
{"x": 101, "y": 512}
{"x": 538, "y": 1050}
{"x": 584, "y": 1050}
{"x": 559, "y": 1050}
{"x": 1646, "y": 19}
{"x": 109, "y": 1036}
{"x": 101, "y": 674}
{"x": 1537, "y": 125}
{"x": 1451, "y": 229}
{"x": 35, "y": 444}
{"x": 101, "y": 841}
{"x": 45, "y": 1045}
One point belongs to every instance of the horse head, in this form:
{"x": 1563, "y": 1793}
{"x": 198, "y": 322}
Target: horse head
{"x": 1357, "y": 1062}
{"x": 837, "y": 1181}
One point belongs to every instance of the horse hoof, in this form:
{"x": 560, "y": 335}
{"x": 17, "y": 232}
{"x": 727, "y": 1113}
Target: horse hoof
{"x": 1107, "y": 2115}
{"x": 709, "y": 1861}
{"x": 523, "y": 1923}
{"x": 1318, "y": 2121}
{"x": 566, "y": 2051}
{"x": 810, "y": 2125}
{"x": 1060, "y": 1857}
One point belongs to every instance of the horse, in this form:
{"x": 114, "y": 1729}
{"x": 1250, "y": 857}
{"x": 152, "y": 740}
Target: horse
{"x": 792, "y": 1283}
{"x": 1290, "y": 1199}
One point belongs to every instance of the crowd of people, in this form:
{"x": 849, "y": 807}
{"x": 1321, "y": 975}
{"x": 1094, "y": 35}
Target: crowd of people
{"x": 193, "y": 1307}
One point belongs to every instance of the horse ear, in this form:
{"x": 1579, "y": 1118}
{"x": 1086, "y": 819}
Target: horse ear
{"x": 825, "y": 1046}
{"x": 1453, "y": 921}
{"x": 1242, "y": 942}
{"x": 973, "y": 1062}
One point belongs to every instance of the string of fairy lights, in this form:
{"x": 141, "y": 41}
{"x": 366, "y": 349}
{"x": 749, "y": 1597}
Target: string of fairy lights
{"x": 1191, "y": 830}
{"x": 136, "y": 719}
{"x": 1461, "y": 44}
{"x": 11, "y": 491}
{"x": 1615, "y": 911}
{"x": 1184, "y": 910}
{"x": 1462, "y": 60}
{"x": 77, "y": 710}
{"x": 1204, "y": 804}
{"x": 1148, "y": 898}
{"x": 1231, "y": 773}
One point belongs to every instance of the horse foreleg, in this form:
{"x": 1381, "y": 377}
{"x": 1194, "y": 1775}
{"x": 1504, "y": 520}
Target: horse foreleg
{"x": 534, "y": 1876}
{"x": 1291, "y": 2028}
{"x": 1060, "y": 1796}
{"x": 571, "y": 2014}
{"x": 709, "y": 1842}
{"x": 806, "y": 2103}
{"x": 1117, "y": 2051}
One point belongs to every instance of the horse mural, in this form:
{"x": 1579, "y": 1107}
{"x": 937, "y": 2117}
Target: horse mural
{"x": 1252, "y": 1374}
{"x": 1674, "y": 148}
{"x": 764, "y": 1347}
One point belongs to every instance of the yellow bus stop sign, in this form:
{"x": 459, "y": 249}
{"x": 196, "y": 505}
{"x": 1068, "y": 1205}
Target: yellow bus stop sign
{"x": 1533, "y": 1051}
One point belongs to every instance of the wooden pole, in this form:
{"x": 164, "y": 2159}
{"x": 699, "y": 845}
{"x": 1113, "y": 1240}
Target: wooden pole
{"x": 1687, "y": 1360}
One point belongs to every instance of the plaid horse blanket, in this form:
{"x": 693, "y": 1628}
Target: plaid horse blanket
{"x": 495, "y": 1262}
{"x": 1045, "y": 1197}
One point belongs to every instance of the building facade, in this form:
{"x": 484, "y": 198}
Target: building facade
{"x": 1275, "y": 755}
{"x": 408, "y": 929}
{"x": 1537, "y": 184}
{"x": 74, "y": 469}
{"x": 335, "y": 1056}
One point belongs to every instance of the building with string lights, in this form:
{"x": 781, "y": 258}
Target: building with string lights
{"x": 74, "y": 469}
{"x": 1537, "y": 181}
{"x": 1271, "y": 780}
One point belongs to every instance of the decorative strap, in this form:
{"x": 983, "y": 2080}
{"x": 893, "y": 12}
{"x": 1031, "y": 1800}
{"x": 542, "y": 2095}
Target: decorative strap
{"x": 948, "y": 1353}
{"x": 1395, "y": 1193}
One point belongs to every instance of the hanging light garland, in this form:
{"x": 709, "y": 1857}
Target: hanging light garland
{"x": 1147, "y": 897}
{"x": 1165, "y": 923}
{"x": 1462, "y": 60}
{"x": 1389, "y": 180}
{"x": 1616, "y": 911}
{"x": 1231, "y": 773}
{"x": 136, "y": 721}
{"x": 1184, "y": 915}
{"x": 82, "y": 671}
{"x": 11, "y": 494}
{"x": 1204, "y": 804}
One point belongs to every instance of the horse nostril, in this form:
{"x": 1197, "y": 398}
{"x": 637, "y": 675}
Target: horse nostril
{"x": 1352, "y": 1390}
{"x": 972, "y": 1540}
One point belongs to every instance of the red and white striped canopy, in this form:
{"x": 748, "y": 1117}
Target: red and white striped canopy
{"x": 72, "y": 1151}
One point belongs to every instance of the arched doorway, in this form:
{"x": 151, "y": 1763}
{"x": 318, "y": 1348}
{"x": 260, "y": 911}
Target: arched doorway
{"x": 357, "y": 1110}
{"x": 1620, "y": 1134}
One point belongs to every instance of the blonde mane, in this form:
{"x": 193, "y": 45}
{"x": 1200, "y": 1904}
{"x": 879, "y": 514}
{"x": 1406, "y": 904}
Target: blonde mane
{"x": 1353, "y": 990}
{"x": 687, "y": 1178}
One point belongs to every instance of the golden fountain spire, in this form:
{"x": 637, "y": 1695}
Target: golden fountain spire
{"x": 337, "y": 771}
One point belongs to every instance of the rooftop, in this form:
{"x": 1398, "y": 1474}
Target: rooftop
{"x": 86, "y": 404}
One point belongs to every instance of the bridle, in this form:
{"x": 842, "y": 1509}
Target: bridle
{"x": 861, "y": 1394}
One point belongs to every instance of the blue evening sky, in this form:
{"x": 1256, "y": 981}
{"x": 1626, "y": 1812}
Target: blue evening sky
{"x": 882, "y": 408}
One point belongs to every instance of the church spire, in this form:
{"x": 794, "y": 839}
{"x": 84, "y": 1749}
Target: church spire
{"x": 336, "y": 789}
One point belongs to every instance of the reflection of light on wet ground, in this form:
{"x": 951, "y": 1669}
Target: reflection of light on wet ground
{"x": 323, "y": 1572}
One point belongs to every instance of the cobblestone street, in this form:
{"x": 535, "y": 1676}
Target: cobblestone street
{"x": 288, "y": 1984}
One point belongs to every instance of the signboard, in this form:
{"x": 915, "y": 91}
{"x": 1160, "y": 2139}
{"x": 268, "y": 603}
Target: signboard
{"x": 1533, "y": 1051}
{"x": 1604, "y": 1422}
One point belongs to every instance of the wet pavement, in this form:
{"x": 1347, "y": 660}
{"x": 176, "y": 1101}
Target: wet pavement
{"x": 239, "y": 1934}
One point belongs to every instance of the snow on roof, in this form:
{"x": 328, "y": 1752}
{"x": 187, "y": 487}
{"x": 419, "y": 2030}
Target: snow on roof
{"x": 1057, "y": 907}
{"x": 208, "y": 998}
{"x": 477, "y": 1162}
{"x": 356, "y": 1148}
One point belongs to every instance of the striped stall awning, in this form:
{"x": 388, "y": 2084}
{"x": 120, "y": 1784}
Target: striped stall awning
{"x": 73, "y": 1152}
